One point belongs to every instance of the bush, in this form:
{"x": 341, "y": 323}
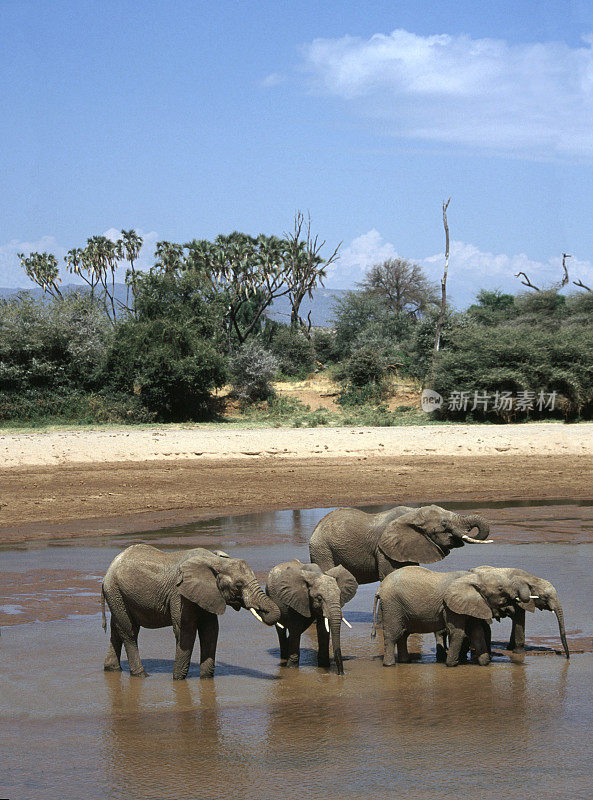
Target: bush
{"x": 364, "y": 367}
{"x": 324, "y": 344}
{"x": 293, "y": 351}
{"x": 170, "y": 365}
{"x": 518, "y": 359}
{"x": 52, "y": 345}
{"x": 252, "y": 370}
{"x": 38, "y": 408}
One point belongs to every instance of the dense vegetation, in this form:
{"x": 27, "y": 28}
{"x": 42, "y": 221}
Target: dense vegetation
{"x": 197, "y": 320}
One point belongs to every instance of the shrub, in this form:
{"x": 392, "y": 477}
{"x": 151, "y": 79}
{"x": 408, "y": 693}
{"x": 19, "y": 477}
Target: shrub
{"x": 364, "y": 367}
{"x": 324, "y": 344}
{"x": 293, "y": 351}
{"x": 170, "y": 365}
{"x": 252, "y": 370}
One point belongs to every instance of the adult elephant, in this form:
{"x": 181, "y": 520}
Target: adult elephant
{"x": 370, "y": 546}
{"x": 146, "y": 587}
{"x": 418, "y": 600}
{"x": 305, "y": 595}
{"x": 543, "y": 596}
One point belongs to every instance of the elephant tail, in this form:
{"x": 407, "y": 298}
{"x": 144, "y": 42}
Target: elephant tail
{"x": 103, "y": 609}
{"x": 376, "y": 615}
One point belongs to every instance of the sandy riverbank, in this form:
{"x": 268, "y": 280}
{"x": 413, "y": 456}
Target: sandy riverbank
{"x": 71, "y": 484}
{"x": 178, "y": 443}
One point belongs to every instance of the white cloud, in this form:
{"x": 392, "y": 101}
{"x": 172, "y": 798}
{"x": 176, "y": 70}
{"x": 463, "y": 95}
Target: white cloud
{"x": 12, "y": 276}
{"x": 534, "y": 97}
{"x": 361, "y": 253}
{"x": 470, "y": 269}
{"x": 272, "y": 80}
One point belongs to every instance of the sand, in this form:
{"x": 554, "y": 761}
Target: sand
{"x": 178, "y": 443}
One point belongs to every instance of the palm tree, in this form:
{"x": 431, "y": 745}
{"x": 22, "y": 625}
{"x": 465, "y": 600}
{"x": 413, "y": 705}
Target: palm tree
{"x": 129, "y": 247}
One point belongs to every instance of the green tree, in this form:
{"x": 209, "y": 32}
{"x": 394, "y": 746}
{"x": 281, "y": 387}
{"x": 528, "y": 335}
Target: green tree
{"x": 402, "y": 286}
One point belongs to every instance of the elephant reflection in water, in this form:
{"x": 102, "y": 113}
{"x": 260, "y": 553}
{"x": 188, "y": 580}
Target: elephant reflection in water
{"x": 155, "y": 733}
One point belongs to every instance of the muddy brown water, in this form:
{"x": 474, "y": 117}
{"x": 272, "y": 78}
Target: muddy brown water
{"x": 420, "y": 730}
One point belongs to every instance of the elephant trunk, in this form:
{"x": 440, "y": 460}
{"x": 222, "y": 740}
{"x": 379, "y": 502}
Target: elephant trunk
{"x": 469, "y": 521}
{"x": 263, "y": 606}
{"x": 557, "y": 609}
{"x": 335, "y": 624}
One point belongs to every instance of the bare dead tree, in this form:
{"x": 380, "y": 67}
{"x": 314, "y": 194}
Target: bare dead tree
{"x": 581, "y": 285}
{"x": 306, "y": 268}
{"x": 527, "y": 282}
{"x": 565, "y": 278}
{"x": 555, "y": 286}
{"x": 443, "y": 308}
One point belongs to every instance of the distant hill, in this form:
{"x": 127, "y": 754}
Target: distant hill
{"x": 320, "y": 307}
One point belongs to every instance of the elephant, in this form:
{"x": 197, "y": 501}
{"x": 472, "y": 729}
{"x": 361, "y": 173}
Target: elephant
{"x": 543, "y": 596}
{"x": 305, "y": 594}
{"x": 146, "y": 587}
{"x": 417, "y": 600}
{"x": 370, "y": 546}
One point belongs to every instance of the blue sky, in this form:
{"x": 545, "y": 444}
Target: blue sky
{"x": 188, "y": 119}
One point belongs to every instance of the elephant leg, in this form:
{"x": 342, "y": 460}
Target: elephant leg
{"x": 293, "y": 648}
{"x": 126, "y": 632}
{"x": 517, "y": 640}
{"x": 440, "y": 638}
{"x": 322, "y": 644}
{"x": 283, "y": 641}
{"x": 208, "y": 633}
{"x": 479, "y": 643}
{"x": 131, "y": 647}
{"x": 112, "y": 659}
{"x": 456, "y": 633}
{"x": 403, "y": 657}
{"x": 487, "y": 631}
{"x": 185, "y": 636}
{"x": 465, "y": 648}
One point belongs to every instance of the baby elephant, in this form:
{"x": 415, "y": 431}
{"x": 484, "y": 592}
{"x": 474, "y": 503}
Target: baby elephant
{"x": 543, "y": 596}
{"x": 417, "y": 600}
{"x": 305, "y": 594}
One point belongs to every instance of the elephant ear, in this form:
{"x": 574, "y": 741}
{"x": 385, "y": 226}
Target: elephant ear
{"x": 197, "y": 582}
{"x": 463, "y": 597}
{"x": 287, "y": 583}
{"x": 403, "y": 540}
{"x": 346, "y": 581}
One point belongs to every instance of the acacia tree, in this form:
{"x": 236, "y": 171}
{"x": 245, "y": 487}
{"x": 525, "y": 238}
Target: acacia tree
{"x": 247, "y": 271}
{"x": 401, "y": 286}
{"x": 306, "y": 268}
{"x": 42, "y": 269}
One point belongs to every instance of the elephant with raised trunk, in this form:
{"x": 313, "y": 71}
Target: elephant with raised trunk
{"x": 305, "y": 594}
{"x": 146, "y": 587}
{"x": 370, "y": 546}
{"x": 543, "y": 596}
{"x": 417, "y": 600}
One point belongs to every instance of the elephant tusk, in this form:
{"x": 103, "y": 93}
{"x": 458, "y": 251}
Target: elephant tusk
{"x": 278, "y": 625}
{"x": 326, "y": 624}
{"x": 467, "y": 538}
{"x": 345, "y": 621}
{"x": 534, "y": 596}
{"x": 256, "y": 615}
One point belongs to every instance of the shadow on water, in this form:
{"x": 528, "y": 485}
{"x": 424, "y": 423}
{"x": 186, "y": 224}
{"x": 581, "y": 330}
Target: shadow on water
{"x": 165, "y": 666}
